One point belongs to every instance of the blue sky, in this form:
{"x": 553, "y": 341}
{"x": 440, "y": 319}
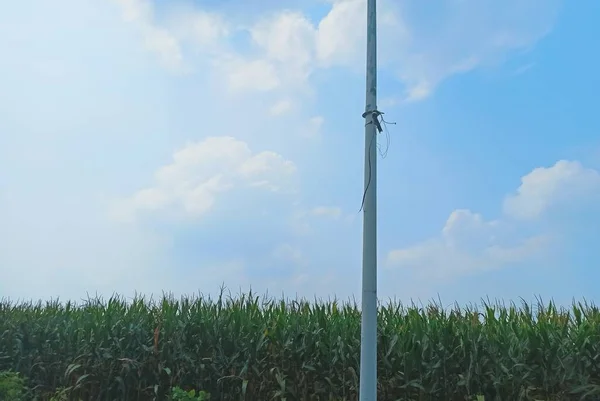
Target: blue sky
{"x": 177, "y": 146}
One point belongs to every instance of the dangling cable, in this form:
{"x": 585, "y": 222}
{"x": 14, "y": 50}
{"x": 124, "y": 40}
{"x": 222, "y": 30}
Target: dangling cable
{"x": 374, "y": 120}
{"x": 388, "y": 138}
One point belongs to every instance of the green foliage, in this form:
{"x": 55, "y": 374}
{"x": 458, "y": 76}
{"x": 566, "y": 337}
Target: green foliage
{"x": 12, "y": 386}
{"x": 178, "y": 394}
{"x": 62, "y": 394}
{"x": 248, "y": 348}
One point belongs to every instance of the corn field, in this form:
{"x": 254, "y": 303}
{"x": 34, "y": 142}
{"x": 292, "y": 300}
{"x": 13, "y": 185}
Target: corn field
{"x": 252, "y": 348}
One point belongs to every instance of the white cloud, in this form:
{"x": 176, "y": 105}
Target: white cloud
{"x": 202, "y": 29}
{"x": 248, "y": 75}
{"x": 155, "y": 39}
{"x": 281, "y": 107}
{"x": 288, "y": 253}
{"x": 289, "y": 39}
{"x": 281, "y": 57}
{"x": 469, "y": 243}
{"x": 302, "y": 219}
{"x": 327, "y": 211}
{"x": 201, "y": 171}
{"x": 460, "y": 36}
{"x": 313, "y": 128}
{"x": 421, "y": 46}
{"x": 566, "y": 182}
{"x": 341, "y": 33}
{"x": 205, "y": 30}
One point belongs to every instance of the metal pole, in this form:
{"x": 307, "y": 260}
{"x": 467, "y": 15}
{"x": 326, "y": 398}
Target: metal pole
{"x": 368, "y": 349}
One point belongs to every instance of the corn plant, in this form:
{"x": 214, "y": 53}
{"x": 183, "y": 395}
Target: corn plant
{"x": 256, "y": 348}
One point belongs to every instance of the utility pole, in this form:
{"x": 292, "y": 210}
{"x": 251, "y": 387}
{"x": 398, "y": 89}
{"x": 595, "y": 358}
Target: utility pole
{"x": 368, "y": 343}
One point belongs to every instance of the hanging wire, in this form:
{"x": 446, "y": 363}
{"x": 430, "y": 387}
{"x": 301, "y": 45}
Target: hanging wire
{"x": 376, "y": 116}
{"x": 388, "y": 137}
{"x": 362, "y": 205}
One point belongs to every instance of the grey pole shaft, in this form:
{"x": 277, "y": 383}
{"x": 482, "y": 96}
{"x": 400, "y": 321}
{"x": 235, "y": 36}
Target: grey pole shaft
{"x": 368, "y": 351}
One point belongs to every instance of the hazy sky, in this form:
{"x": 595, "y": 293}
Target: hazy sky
{"x": 177, "y": 146}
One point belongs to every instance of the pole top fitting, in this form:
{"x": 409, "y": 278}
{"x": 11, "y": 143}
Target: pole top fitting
{"x": 374, "y": 118}
{"x": 374, "y": 113}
